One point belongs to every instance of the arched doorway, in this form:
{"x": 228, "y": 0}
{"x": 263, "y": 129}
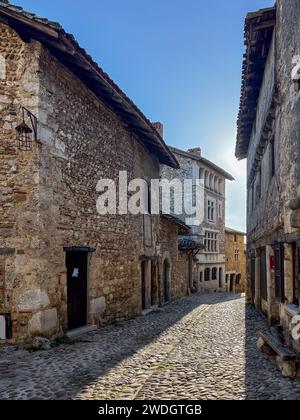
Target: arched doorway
{"x": 166, "y": 280}
{"x": 231, "y": 286}
{"x": 220, "y": 278}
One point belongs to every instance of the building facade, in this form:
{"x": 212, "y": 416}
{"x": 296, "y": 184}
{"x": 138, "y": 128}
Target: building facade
{"x": 64, "y": 125}
{"x": 208, "y": 272}
{"x": 235, "y": 246}
{"x": 268, "y": 136}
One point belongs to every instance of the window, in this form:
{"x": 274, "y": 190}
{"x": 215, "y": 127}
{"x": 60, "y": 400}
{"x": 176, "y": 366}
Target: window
{"x": 207, "y": 274}
{"x": 235, "y": 238}
{"x": 214, "y": 274}
{"x": 236, "y": 255}
{"x": 220, "y": 211}
{"x": 201, "y": 276}
{"x": 272, "y": 158}
{"x": 211, "y": 242}
{"x": 211, "y": 211}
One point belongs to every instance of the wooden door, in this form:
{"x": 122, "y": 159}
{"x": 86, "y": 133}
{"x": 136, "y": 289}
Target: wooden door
{"x": 279, "y": 272}
{"x": 220, "y": 278}
{"x": 297, "y": 273}
{"x": 166, "y": 274}
{"x": 252, "y": 274}
{"x": 76, "y": 263}
{"x": 263, "y": 274}
{"x": 231, "y": 286}
{"x": 144, "y": 268}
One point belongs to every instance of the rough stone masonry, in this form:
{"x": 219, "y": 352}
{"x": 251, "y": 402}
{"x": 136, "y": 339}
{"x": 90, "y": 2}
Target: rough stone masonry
{"x": 48, "y": 194}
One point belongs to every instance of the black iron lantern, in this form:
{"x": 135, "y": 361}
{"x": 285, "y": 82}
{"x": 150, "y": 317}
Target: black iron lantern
{"x": 25, "y": 134}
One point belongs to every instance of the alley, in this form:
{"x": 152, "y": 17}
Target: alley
{"x": 196, "y": 348}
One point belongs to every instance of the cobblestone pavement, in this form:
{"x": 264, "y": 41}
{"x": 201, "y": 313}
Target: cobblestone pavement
{"x": 202, "y": 347}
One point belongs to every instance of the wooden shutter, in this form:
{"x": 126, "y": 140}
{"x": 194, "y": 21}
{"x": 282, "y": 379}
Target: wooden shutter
{"x": 263, "y": 275}
{"x": 279, "y": 272}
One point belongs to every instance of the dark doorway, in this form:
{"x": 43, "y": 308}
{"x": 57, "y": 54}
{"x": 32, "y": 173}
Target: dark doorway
{"x": 296, "y": 285}
{"x": 263, "y": 274}
{"x": 166, "y": 276}
{"x": 154, "y": 289}
{"x": 252, "y": 274}
{"x": 220, "y": 278}
{"x": 231, "y": 287}
{"x": 144, "y": 268}
{"x": 279, "y": 272}
{"x": 76, "y": 262}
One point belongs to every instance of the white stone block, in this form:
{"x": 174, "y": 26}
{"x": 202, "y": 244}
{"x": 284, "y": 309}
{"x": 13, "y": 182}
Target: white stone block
{"x": 44, "y": 323}
{"x": 33, "y": 300}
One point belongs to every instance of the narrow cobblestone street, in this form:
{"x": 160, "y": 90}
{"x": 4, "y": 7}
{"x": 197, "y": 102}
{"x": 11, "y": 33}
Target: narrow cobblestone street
{"x": 196, "y": 348}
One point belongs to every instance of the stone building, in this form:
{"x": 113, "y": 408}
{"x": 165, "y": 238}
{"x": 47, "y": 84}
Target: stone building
{"x": 64, "y": 125}
{"x": 268, "y": 136}
{"x": 208, "y": 266}
{"x": 235, "y": 246}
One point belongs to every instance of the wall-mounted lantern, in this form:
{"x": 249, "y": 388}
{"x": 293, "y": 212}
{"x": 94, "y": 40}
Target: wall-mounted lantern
{"x": 26, "y": 135}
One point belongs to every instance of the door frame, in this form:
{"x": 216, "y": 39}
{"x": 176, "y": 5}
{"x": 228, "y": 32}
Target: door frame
{"x": 166, "y": 280}
{"x": 82, "y": 250}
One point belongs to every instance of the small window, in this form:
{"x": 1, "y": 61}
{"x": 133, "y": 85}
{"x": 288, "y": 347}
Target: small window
{"x": 211, "y": 211}
{"x": 214, "y": 274}
{"x": 207, "y": 274}
{"x": 236, "y": 255}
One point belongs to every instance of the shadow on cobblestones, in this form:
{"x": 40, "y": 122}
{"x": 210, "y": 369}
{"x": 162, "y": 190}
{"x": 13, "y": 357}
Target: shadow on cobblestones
{"x": 108, "y": 361}
{"x": 202, "y": 347}
{"x": 263, "y": 380}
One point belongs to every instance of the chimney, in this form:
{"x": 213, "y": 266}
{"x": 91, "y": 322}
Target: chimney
{"x": 195, "y": 151}
{"x": 159, "y": 128}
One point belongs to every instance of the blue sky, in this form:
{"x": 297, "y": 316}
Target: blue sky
{"x": 179, "y": 60}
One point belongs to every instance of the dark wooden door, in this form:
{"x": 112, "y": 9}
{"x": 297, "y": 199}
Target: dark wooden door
{"x": 220, "y": 278}
{"x": 166, "y": 274}
{"x": 263, "y": 274}
{"x": 143, "y": 268}
{"x": 297, "y": 273}
{"x": 252, "y": 274}
{"x": 231, "y": 283}
{"x": 76, "y": 263}
{"x": 279, "y": 272}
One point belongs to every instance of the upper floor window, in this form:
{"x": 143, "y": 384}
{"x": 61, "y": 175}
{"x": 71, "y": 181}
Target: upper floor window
{"x": 236, "y": 255}
{"x": 211, "y": 242}
{"x": 211, "y": 211}
{"x": 220, "y": 210}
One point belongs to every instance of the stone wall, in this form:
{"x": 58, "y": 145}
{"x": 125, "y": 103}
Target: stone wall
{"x": 19, "y": 178}
{"x": 236, "y": 242}
{"x": 48, "y": 197}
{"x": 168, "y": 240}
{"x": 270, "y": 219}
